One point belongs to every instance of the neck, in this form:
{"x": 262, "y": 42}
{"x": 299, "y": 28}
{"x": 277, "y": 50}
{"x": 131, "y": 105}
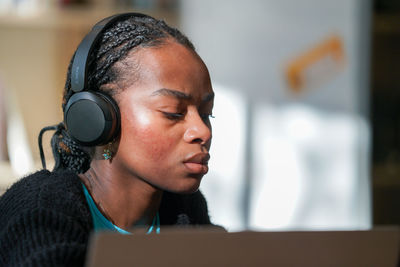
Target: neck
{"x": 127, "y": 201}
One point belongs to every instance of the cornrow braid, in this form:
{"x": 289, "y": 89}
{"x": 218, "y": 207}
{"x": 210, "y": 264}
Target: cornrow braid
{"x": 114, "y": 45}
{"x": 67, "y": 153}
{"x": 118, "y": 40}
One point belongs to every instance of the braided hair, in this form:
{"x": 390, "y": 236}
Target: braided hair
{"x": 105, "y": 75}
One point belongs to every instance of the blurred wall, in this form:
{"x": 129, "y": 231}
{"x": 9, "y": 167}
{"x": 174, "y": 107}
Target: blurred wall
{"x": 300, "y": 69}
{"x": 35, "y": 49}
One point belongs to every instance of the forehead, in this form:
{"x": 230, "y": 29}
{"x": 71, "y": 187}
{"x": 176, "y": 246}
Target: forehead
{"x": 172, "y": 66}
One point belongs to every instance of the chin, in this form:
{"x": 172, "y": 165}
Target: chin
{"x": 190, "y": 186}
{"x": 190, "y": 191}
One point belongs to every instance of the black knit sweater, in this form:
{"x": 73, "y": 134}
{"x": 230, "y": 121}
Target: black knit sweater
{"x": 45, "y": 219}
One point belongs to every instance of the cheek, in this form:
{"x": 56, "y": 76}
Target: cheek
{"x": 155, "y": 144}
{"x": 147, "y": 137}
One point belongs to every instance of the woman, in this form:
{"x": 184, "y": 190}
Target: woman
{"x": 144, "y": 169}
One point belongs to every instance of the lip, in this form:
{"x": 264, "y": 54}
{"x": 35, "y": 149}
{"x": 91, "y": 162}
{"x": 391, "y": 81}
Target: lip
{"x": 197, "y": 163}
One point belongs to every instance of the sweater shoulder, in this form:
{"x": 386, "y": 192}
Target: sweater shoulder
{"x": 44, "y": 190}
{"x": 38, "y": 187}
{"x": 184, "y": 209}
{"x": 44, "y": 221}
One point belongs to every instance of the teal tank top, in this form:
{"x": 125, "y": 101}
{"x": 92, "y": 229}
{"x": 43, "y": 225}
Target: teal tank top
{"x": 101, "y": 223}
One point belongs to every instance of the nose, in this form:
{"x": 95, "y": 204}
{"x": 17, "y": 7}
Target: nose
{"x": 198, "y": 130}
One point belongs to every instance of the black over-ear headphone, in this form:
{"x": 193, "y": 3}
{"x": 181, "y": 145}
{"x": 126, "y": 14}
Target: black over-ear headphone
{"x": 91, "y": 117}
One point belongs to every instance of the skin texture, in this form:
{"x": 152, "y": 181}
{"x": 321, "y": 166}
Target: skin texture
{"x": 165, "y": 135}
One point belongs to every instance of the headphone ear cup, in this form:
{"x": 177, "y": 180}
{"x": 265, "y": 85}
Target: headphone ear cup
{"x": 92, "y": 118}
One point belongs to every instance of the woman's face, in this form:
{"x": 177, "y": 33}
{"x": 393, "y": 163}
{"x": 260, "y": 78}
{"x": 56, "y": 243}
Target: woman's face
{"x": 165, "y": 119}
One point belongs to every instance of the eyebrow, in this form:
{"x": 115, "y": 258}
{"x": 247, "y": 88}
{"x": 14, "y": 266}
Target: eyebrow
{"x": 180, "y": 95}
{"x": 209, "y": 97}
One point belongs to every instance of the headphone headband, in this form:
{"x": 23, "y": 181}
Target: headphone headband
{"x": 91, "y": 117}
{"x": 79, "y": 64}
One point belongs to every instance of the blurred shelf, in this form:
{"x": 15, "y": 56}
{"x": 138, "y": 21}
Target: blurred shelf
{"x": 386, "y": 174}
{"x": 386, "y": 24}
{"x": 76, "y": 17}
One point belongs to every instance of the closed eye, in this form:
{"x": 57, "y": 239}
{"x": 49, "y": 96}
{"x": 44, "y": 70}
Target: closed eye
{"x": 173, "y": 116}
{"x": 178, "y": 116}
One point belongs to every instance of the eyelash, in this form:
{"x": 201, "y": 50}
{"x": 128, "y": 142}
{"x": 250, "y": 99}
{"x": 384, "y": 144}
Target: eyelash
{"x": 207, "y": 117}
{"x": 178, "y": 116}
{"x": 173, "y": 116}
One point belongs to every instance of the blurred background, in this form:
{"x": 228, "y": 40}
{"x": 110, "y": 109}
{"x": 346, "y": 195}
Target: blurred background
{"x": 307, "y": 127}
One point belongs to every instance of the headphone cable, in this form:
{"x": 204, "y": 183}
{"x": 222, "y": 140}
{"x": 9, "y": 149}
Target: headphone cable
{"x": 40, "y": 139}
